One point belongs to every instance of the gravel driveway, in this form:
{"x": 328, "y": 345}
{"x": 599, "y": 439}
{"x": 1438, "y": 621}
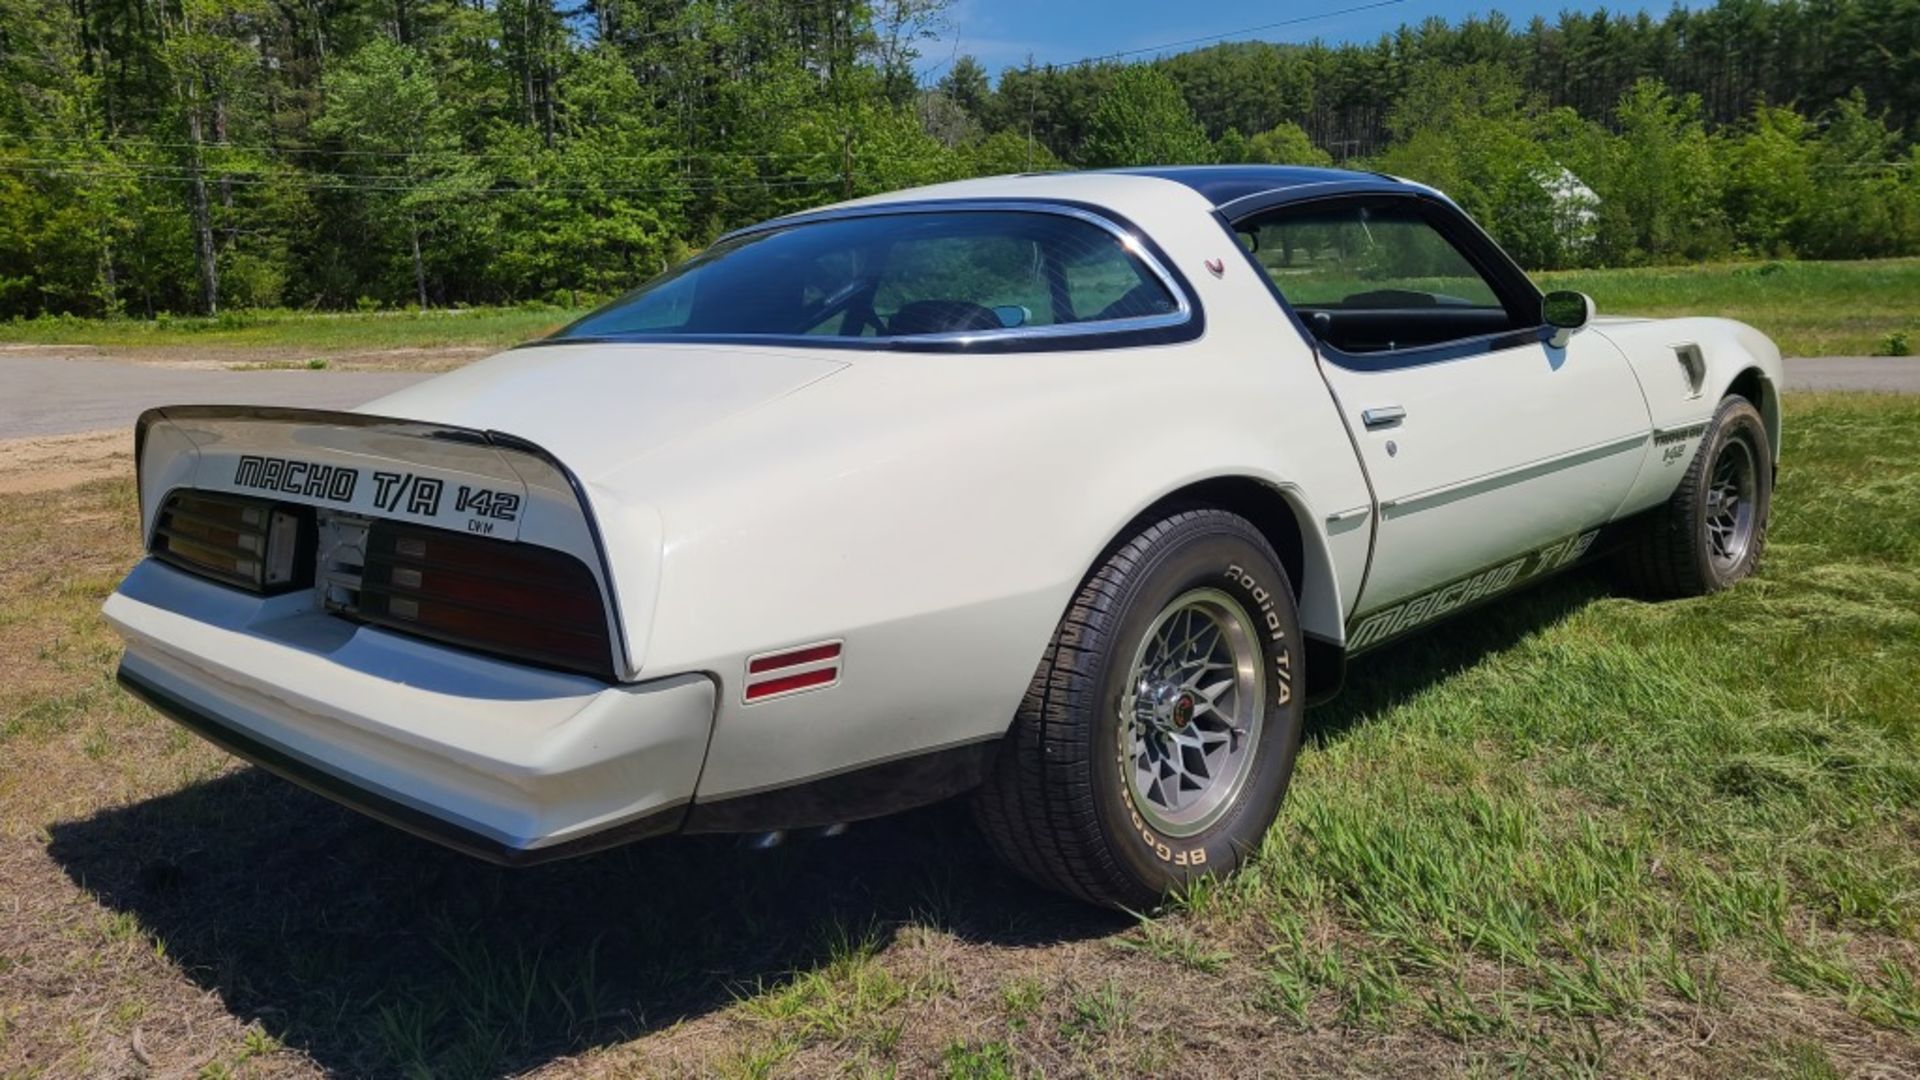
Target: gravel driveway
{"x": 1888, "y": 374}
{"x": 40, "y": 396}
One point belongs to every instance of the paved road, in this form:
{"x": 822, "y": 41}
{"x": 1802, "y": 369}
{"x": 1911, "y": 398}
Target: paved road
{"x": 1891, "y": 374}
{"x": 57, "y": 397}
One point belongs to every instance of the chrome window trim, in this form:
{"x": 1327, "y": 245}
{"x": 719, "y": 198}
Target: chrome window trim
{"x": 1494, "y": 265}
{"x": 1284, "y": 193}
{"x": 1132, "y": 243}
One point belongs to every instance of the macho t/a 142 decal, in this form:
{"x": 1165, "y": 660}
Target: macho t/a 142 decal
{"x": 333, "y": 483}
{"x": 393, "y": 492}
{"x": 1428, "y": 606}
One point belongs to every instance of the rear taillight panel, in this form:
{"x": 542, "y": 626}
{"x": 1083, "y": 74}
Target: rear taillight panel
{"x": 255, "y": 544}
{"x": 515, "y": 600}
{"x": 520, "y": 601}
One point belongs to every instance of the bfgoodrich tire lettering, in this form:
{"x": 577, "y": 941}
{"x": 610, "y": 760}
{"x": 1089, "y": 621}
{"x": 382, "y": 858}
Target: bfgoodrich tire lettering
{"x": 1079, "y": 798}
{"x": 1713, "y": 530}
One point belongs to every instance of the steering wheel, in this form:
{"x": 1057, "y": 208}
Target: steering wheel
{"x": 855, "y": 301}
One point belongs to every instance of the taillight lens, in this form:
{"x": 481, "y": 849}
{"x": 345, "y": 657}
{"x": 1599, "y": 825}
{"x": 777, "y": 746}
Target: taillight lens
{"x": 518, "y": 600}
{"x": 252, "y": 543}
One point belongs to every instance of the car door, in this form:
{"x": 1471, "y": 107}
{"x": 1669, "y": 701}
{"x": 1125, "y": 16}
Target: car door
{"x": 1482, "y": 440}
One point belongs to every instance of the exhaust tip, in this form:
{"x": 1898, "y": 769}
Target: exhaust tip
{"x": 765, "y": 841}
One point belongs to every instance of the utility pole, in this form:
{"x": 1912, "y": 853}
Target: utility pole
{"x": 196, "y": 175}
{"x": 1033, "y": 91}
{"x": 846, "y": 163}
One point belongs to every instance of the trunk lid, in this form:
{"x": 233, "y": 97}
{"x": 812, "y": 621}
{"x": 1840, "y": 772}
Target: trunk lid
{"x": 355, "y": 468}
{"x": 596, "y": 405}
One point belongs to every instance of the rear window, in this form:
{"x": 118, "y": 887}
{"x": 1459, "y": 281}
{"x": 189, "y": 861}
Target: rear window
{"x": 895, "y": 276}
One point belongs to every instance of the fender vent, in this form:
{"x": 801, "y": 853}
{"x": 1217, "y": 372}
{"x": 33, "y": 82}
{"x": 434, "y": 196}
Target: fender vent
{"x": 1693, "y": 366}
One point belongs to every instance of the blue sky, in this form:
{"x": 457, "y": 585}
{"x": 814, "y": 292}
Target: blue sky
{"x": 1002, "y": 33}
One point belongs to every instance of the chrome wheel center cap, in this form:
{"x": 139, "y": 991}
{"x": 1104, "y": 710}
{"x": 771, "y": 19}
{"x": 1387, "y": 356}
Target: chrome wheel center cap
{"x": 1164, "y": 705}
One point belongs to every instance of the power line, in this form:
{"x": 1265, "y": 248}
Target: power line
{"x": 335, "y": 182}
{"x": 136, "y": 142}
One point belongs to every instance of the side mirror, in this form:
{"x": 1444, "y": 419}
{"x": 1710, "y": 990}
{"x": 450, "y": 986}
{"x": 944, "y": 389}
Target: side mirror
{"x": 1565, "y": 311}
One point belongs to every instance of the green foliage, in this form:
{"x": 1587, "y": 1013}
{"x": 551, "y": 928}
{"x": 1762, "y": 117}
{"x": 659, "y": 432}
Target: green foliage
{"x": 1007, "y": 152}
{"x": 1143, "y": 120}
{"x": 191, "y": 156}
{"x": 1662, "y": 179}
{"x": 966, "y": 83}
{"x": 1864, "y": 207}
{"x": 1770, "y": 182}
{"x": 1244, "y": 85}
{"x": 1282, "y": 144}
{"x": 1474, "y": 133}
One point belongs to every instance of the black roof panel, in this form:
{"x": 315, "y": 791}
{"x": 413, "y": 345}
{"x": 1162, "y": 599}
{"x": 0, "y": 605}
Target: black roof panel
{"x": 1222, "y": 184}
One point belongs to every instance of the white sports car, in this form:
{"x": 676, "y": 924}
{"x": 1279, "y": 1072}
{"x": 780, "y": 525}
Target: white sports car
{"x": 1069, "y": 490}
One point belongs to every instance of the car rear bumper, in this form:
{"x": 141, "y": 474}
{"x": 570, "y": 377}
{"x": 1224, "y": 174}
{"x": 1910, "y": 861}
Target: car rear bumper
{"x": 504, "y": 761}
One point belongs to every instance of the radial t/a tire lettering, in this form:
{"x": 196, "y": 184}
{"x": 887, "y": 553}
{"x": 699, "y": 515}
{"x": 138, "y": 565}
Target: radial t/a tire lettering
{"x": 1156, "y": 740}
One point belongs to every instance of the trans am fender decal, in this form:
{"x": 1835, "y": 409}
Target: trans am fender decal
{"x": 1677, "y": 444}
{"x": 1410, "y": 614}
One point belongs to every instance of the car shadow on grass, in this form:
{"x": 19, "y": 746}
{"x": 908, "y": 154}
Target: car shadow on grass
{"x": 1378, "y": 681}
{"x": 376, "y": 953}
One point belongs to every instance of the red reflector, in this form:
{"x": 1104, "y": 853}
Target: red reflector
{"x": 785, "y": 683}
{"x": 808, "y": 655}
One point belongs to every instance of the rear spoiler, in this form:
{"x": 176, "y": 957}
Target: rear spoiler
{"x": 467, "y": 480}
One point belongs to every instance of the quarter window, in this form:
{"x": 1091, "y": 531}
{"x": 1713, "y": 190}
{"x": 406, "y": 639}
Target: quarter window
{"x": 1374, "y": 278}
{"x": 898, "y": 275}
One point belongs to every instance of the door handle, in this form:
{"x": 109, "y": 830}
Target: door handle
{"x": 1382, "y": 416}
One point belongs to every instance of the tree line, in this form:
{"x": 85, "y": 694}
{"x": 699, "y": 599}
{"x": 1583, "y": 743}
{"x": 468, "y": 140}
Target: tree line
{"x": 206, "y": 155}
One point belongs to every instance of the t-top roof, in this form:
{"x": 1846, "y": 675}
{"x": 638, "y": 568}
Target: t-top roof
{"x": 1222, "y": 184}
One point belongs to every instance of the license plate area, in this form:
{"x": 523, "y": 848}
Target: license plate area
{"x": 341, "y": 560}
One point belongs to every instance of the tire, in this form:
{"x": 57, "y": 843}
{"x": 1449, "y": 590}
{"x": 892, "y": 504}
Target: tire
{"x": 1118, "y": 788}
{"x": 1701, "y": 541}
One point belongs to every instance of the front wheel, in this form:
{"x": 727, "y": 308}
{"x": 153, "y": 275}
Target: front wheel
{"x": 1157, "y": 738}
{"x": 1712, "y": 531}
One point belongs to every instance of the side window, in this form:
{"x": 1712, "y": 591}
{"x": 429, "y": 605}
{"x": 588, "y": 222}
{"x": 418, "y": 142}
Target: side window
{"x": 665, "y": 308}
{"x": 1372, "y": 278}
{"x": 1104, "y": 282}
{"x": 906, "y": 274}
{"x": 1001, "y": 273}
{"x": 1051, "y": 270}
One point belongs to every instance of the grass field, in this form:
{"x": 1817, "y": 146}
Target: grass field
{"x": 320, "y": 333}
{"x": 1809, "y": 308}
{"x": 1575, "y": 834}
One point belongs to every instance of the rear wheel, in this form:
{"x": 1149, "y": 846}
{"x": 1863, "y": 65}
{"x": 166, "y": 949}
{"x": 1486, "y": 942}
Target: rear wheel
{"x": 1156, "y": 740}
{"x": 1712, "y": 531}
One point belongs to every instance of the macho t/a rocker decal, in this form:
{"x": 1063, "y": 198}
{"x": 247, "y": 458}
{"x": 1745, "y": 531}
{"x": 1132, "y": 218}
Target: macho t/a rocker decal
{"x": 1410, "y": 614}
